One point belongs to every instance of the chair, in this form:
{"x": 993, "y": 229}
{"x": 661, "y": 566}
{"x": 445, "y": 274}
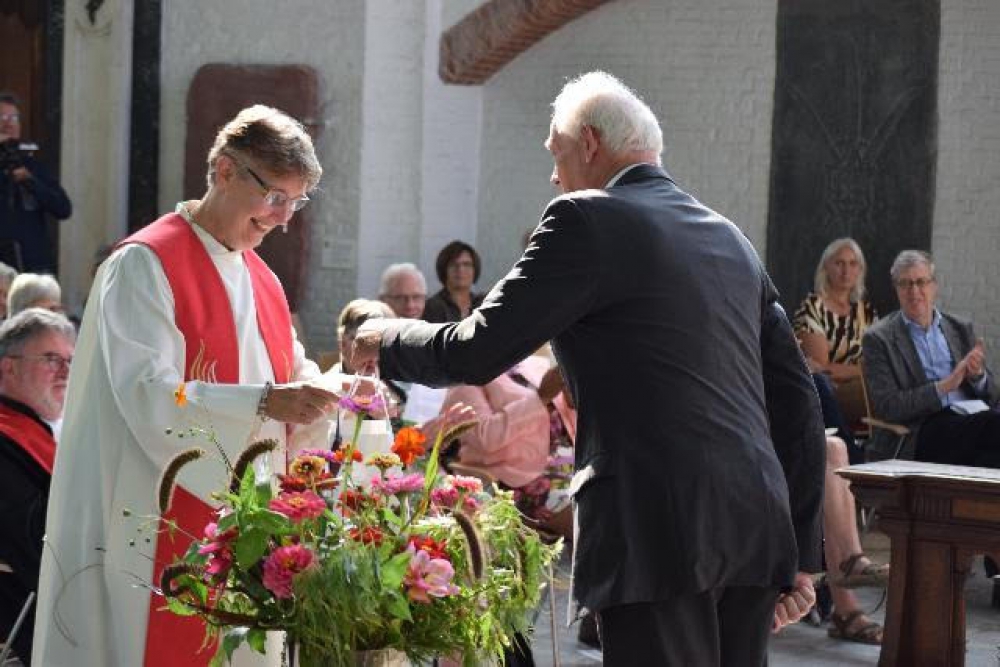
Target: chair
{"x": 850, "y": 396}
{"x": 899, "y": 430}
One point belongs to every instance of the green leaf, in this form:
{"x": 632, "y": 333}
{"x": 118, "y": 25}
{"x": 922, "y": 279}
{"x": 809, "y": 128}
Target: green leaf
{"x": 179, "y": 608}
{"x": 257, "y": 639}
{"x": 250, "y": 546}
{"x": 269, "y": 521}
{"x": 263, "y": 492}
{"x": 226, "y": 522}
{"x": 248, "y": 491}
{"x": 399, "y": 607}
{"x": 393, "y": 571}
{"x": 232, "y": 640}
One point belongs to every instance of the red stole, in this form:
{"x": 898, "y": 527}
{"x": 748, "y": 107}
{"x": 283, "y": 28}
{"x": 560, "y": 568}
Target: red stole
{"x": 211, "y": 355}
{"x": 30, "y": 435}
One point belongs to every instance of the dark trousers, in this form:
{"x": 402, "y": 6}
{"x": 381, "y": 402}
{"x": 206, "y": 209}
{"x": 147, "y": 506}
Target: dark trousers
{"x": 727, "y": 626}
{"x": 965, "y": 440}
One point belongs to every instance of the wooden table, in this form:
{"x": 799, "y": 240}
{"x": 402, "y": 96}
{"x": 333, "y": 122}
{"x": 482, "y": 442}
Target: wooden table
{"x": 938, "y": 517}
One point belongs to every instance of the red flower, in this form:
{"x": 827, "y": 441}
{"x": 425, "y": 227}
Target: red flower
{"x": 367, "y": 535}
{"x": 434, "y": 548}
{"x": 356, "y": 454}
{"x": 218, "y": 547}
{"x": 409, "y": 444}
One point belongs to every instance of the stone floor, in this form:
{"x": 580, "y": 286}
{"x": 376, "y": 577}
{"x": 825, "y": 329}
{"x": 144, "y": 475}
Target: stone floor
{"x": 800, "y": 645}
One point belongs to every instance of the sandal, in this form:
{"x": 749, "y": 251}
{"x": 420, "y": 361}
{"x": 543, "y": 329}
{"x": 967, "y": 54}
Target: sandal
{"x": 853, "y": 576}
{"x": 861, "y": 632}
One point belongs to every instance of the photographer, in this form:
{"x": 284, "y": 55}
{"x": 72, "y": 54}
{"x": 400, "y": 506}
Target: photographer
{"x": 27, "y": 194}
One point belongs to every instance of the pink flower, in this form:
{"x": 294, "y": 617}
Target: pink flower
{"x": 281, "y": 567}
{"x": 471, "y": 504}
{"x": 218, "y": 547}
{"x": 470, "y": 484}
{"x": 322, "y": 453}
{"x": 396, "y": 484}
{"x": 444, "y": 496}
{"x": 362, "y": 405}
{"x": 298, "y": 505}
{"x": 428, "y": 577}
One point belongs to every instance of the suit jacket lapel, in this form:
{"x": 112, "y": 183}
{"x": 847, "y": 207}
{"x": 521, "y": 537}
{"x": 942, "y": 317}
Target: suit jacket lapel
{"x": 951, "y": 335}
{"x": 908, "y": 351}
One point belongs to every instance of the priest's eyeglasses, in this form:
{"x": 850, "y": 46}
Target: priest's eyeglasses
{"x": 55, "y": 362}
{"x": 277, "y": 198}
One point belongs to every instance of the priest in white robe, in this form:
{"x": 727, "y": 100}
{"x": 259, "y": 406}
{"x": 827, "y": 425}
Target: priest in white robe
{"x": 185, "y": 327}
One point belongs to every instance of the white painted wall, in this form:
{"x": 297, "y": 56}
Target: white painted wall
{"x": 966, "y": 240}
{"x": 705, "y": 68}
{"x": 97, "y": 71}
{"x": 328, "y": 36}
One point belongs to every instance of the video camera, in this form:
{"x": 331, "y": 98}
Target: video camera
{"x": 13, "y": 152}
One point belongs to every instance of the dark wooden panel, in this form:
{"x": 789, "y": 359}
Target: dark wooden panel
{"x": 217, "y": 93}
{"x": 854, "y": 136}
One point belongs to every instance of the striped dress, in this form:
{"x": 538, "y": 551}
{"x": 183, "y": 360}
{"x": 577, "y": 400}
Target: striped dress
{"x": 842, "y": 332}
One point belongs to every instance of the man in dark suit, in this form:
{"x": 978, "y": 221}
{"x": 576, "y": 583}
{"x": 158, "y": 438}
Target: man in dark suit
{"x": 689, "y": 521}
{"x": 922, "y": 368}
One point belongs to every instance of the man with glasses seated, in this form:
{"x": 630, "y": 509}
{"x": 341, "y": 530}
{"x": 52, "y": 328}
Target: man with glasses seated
{"x": 927, "y": 370}
{"x": 404, "y": 289}
{"x": 36, "y": 347}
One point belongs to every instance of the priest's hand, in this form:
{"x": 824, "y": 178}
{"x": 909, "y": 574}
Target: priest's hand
{"x": 795, "y": 604}
{"x": 298, "y": 403}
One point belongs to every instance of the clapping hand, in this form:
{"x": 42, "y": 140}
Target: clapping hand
{"x": 791, "y": 607}
{"x": 975, "y": 360}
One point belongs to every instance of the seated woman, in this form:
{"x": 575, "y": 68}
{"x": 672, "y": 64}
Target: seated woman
{"x": 458, "y": 267}
{"x": 524, "y": 438}
{"x": 830, "y": 323}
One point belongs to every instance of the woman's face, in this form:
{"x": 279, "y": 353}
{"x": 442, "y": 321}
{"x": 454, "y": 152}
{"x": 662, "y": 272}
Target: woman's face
{"x": 461, "y": 272}
{"x": 246, "y": 190}
{"x": 843, "y": 270}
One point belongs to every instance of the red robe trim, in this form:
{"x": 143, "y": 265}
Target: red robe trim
{"x": 32, "y": 436}
{"x": 211, "y": 355}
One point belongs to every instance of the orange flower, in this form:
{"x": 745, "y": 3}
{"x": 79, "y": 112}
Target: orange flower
{"x": 180, "y": 395}
{"x": 409, "y": 444}
{"x": 355, "y": 454}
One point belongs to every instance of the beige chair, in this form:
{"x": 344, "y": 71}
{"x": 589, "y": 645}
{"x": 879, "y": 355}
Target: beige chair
{"x": 899, "y": 430}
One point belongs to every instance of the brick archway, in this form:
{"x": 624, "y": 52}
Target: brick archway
{"x": 482, "y": 43}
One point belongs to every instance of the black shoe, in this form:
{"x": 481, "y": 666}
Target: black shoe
{"x": 588, "y": 632}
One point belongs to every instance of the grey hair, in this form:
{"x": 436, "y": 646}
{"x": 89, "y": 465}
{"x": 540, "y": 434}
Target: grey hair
{"x": 908, "y": 259}
{"x": 7, "y": 275}
{"x": 30, "y": 288}
{"x": 19, "y": 330}
{"x": 624, "y": 122}
{"x": 821, "y": 281}
{"x": 394, "y": 271}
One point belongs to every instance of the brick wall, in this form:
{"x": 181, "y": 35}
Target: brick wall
{"x": 707, "y": 71}
{"x": 966, "y": 240}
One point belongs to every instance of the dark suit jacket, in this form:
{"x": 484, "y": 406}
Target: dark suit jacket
{"x": 897, "y": 385}
{"x": 665, "y": 324}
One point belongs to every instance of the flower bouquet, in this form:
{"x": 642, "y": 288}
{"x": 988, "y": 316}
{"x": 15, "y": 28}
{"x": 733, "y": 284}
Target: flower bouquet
{"x": 412, "y": 560}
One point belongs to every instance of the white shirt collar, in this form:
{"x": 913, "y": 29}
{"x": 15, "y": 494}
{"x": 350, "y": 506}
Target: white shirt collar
{"x": 614, "y": 179}
{"x": 211, "y": 243}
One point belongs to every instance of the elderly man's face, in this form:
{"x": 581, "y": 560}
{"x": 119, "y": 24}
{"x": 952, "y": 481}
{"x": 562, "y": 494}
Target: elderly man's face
{"x": 406, "y": 296}
{"x": 916, "y": 289}
{"x": 37, "y": 375}
{"x": 570, "y": 168}
{"x": 10, "y": 122}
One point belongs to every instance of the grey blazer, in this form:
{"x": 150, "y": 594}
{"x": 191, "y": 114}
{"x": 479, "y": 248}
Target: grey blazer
{"x": 897, "y": 385}
{"x": 665, "y": 324}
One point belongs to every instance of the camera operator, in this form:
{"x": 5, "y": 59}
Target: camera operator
{"x": 27, "y": 194}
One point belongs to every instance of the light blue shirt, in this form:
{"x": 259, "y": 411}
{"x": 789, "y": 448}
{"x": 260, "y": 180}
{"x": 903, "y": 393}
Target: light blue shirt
{"x": 935, "y": 356}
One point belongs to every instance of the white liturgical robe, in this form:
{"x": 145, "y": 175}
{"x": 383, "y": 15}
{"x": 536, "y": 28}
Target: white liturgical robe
{"x": 120, "y": 429}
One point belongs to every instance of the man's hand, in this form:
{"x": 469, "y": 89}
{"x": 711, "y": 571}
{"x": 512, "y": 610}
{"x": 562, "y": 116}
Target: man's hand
{"x": 794, "y": 605}
{"x": 299, "y": 403}
{"x": 364, "y": 352}
{"x": 975, "y": 360}
{"x": 20, "y": 174}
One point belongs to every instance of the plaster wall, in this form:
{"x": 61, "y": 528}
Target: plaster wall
{"x": 966, "y": 237}
{"x": 706, "y": 70}
{"x": 327, "y": 36}
{"x": 97, "y": 69}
